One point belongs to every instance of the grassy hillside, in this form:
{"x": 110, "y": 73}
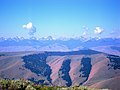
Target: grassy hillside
{"x": 84, "y": 67}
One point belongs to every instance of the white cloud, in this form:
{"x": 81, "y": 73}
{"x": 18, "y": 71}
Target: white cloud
{"x": 85, "y": 28}
{"x": 30, "y": 28}
{"x": 98, "y": 30}
{"x": 85, "y": 33}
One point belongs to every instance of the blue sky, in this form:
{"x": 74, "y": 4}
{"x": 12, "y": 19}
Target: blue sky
{"x": 59, "y": 18}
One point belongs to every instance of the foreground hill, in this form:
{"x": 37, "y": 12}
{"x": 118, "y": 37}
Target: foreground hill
{"x": 84, "y": 67}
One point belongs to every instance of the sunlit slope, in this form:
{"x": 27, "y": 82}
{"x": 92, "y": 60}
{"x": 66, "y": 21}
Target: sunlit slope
{"x": 84, "y": 67}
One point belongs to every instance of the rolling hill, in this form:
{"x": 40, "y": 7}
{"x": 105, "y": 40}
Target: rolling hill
{"x": 73, "y": 68}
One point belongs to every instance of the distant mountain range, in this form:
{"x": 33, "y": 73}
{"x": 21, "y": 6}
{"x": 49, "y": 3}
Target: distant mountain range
{"x": 73, "y": 68}
{"x": 107, "y": 45}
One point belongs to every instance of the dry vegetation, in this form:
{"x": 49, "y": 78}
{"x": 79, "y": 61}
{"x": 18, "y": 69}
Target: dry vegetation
{"x": 27, "y": 85}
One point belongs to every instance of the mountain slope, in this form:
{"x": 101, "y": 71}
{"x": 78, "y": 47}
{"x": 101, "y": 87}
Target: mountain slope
{"x": 84, "y": 67}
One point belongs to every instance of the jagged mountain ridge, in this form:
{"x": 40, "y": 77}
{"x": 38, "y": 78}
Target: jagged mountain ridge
{"x": 84, "y": 67}
{"x": 107, "y": 45}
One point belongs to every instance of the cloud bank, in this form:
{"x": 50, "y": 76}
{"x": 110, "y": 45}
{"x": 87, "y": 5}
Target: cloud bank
{"x": 30, "y": 28}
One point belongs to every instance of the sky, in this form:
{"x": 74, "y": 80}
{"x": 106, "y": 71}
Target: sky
{"x": 59, "y": 18}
